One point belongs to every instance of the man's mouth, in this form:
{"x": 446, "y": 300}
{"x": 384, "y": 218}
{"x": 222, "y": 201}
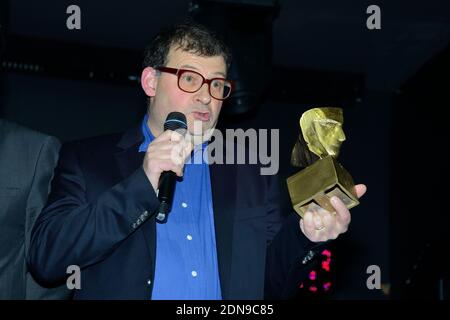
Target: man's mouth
{"x": 202, "y": 116}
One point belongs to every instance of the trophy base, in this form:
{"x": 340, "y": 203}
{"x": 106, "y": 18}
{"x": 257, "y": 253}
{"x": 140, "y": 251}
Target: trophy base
{"x": 314, "y": 186}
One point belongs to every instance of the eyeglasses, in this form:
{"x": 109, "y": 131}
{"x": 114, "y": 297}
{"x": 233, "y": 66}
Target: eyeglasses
{"x": 191, "y": 81}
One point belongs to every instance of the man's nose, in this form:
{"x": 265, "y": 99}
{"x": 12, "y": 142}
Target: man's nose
{"x": 203, "y": 95}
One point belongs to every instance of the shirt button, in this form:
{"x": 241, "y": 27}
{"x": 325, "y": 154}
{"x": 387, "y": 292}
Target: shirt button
{"x": 149, "y": 282}
{"x": 194, "y": 273}
{"x": 189, "y": 237}
{"x": 184, "y": 205}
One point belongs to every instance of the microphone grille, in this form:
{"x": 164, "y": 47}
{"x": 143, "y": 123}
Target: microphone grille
{"x": 175, "y": 121}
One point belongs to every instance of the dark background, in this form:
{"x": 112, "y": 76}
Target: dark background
{"x": 289, "y": 56}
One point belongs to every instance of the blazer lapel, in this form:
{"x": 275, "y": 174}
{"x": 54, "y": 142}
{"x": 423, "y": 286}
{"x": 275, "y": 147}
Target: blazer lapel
{"x": 128, "y": 159}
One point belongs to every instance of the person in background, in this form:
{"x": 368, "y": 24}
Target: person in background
{"x": 27, "y": 161}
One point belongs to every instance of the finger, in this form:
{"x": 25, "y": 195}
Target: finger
{"x": 318, "y": 223}
{"x": 179, "y": 171}
{"x": 342, "y": 213}
{"x": 169, "y": 166}
{"x": 176, "y": 136}
{"x": 164, "y": 145}
{"x": 332, "y": 227}
{"x": 360, "y": 190}
{"x": 188, "y": 146}
{"x": 302, "y": 227}
{"x": 163, "y": 153}
{"x": 184, "y": 150}
{"x": 177, "y": 152}
{"x": 308, "y": 223}
{"x": 164, "y": 136}
{"x": 329, "y": 223}
{"x": 328, "y": 219}
{"x": 167, "y": 161}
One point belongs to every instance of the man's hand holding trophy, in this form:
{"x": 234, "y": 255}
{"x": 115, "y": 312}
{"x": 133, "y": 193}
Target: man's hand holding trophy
{"x": 323, "y": 191}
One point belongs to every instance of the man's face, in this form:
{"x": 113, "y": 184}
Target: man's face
{"x": 330, "y": 135}
{"x": 167, "y": 97}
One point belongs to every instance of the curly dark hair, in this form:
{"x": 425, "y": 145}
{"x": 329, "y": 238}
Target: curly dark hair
{"x": 189, "y": 36}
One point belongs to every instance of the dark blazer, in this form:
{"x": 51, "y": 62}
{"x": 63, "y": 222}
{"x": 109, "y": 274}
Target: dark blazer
{"x": 27, "y": 160}
{"x": 100, "y": 216}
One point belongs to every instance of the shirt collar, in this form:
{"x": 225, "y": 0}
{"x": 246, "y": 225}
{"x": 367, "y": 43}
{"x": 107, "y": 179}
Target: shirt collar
{"x": 148, "y": 136}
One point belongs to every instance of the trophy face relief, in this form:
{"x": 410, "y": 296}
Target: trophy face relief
{"x": 330, "y": 135}
{"x": 322, "y": 131}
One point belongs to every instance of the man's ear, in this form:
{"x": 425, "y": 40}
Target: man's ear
{"x": 149, "y": 81}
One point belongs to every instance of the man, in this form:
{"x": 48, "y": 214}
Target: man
{"x": 219, "y": 240}
{"x": 27, "y": 160}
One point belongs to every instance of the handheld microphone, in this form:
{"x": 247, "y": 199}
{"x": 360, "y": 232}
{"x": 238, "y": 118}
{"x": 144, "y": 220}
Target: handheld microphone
{"x": 167, "y": 181}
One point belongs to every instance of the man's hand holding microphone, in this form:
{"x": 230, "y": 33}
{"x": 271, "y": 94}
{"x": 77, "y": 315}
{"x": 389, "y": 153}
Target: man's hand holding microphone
{"x": 165, "y": 158}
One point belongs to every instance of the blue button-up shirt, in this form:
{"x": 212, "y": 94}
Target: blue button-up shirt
{"x": 186, "y": 256}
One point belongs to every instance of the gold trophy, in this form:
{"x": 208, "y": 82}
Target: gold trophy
{"x": 316, "y": 150}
